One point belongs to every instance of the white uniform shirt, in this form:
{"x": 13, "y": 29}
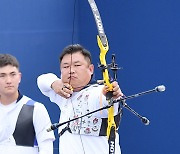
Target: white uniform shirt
{"x": 90, "y": 97}
{"x": 41, "y": 121}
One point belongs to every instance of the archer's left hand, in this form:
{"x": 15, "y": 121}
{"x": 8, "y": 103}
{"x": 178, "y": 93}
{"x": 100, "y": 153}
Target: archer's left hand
{"x": 117, "y": 93}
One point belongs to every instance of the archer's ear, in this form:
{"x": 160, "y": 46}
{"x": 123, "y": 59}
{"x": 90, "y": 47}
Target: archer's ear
{"x": 20, "y": 76}
{"x": 91, "y": 68}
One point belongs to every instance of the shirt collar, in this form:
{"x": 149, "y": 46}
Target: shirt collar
{"x": 19, "y": 96}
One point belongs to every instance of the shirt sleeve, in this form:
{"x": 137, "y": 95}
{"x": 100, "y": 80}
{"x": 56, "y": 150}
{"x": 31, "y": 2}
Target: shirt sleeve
{"x": 45, "y": 81}
{"x": 41, "y": 121}
{"x": 46, "y": 147}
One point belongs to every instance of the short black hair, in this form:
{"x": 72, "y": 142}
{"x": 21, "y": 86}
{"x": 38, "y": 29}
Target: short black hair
{"x": 7, "y": 59}
{"x": 70, "y": 49}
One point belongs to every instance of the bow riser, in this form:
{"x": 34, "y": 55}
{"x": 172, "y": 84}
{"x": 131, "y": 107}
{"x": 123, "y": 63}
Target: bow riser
{"x": 103, "y": 51}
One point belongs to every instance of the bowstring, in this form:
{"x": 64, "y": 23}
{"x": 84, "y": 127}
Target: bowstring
{"x": 72, "y": 42}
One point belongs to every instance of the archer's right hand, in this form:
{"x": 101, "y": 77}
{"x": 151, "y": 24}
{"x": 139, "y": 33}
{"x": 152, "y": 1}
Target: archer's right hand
{"x": 63, "y": 89}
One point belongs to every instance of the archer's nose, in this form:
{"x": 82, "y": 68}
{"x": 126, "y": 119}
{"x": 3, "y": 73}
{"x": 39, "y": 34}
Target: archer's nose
{"x": 72, "y": 70}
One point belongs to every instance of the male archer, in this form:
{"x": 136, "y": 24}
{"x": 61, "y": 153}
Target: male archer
{"x": 23, "y": 121}
{"x": 77, "y": 93}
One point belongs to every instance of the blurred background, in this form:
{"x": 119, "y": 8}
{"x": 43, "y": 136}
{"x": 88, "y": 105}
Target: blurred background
{"x": 144, "y": 36}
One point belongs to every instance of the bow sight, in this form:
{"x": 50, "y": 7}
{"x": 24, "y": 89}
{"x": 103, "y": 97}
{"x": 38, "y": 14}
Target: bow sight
{"x": 113, "y": 66}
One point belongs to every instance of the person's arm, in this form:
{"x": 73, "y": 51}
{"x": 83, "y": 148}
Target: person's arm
{"x": 45, "y": 81}
{"x": 41, "y": 123}
{"x": 46, "y": 147}
{"x": 48, "y": 82}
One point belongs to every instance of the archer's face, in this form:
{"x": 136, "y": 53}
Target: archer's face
{"x": 76, "y": 70}
{"x": 10, "y": 78}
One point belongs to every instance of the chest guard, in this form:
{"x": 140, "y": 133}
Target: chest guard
{"x": 24, "y": 133}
